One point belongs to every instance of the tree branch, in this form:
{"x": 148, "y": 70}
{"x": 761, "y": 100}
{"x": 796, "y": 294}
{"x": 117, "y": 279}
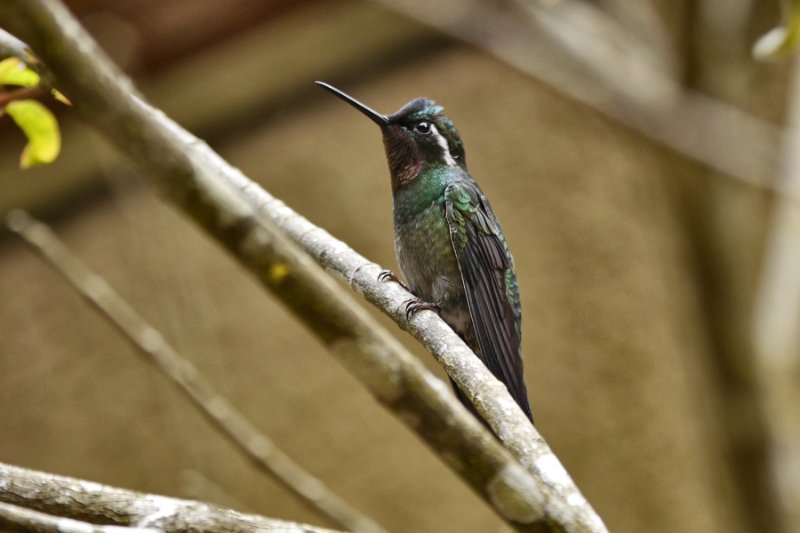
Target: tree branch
{"x": 149, "y": 341}
{"x": 87, "y": 501}
{"x": 19, "y": 94}
{"x": 10, "y": 46}
{"x": 15, "y": 518}
{"x": 245, "y": 219}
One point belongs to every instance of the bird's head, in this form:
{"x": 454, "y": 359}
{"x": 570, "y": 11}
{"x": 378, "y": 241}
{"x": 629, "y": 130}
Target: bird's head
{"x": 416, "y": 137}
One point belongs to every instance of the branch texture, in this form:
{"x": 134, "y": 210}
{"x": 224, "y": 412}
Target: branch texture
{"x": 10, "y": 46}
{"x": 85, "y": 501}
{"x": 149, "y": 341}
{"x": 15, "y": 518}
{"x": 248, "y": 222}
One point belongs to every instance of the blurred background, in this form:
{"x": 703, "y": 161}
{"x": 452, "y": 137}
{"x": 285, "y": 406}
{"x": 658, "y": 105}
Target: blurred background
{"x": 636, "y": 154}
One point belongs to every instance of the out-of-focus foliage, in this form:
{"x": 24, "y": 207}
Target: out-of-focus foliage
{"x": 34, "y": 119}
{"x": 15, "y": 72}
{"x": 782, "y": 41}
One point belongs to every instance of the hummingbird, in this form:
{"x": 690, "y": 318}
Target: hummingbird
{"x": 448, "y": 241}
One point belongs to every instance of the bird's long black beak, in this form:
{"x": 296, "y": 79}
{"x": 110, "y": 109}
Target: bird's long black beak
{"x": 374, "y": 116}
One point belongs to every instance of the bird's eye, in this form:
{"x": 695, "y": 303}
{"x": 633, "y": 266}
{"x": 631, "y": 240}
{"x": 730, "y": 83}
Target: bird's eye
{"x": 423, "y": 127}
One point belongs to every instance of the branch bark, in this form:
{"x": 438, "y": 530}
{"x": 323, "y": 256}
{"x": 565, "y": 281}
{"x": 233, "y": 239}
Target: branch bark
{"x": 72, "y": 501}
{"x": 19, "y": 94}
{"x": 10, "y": 46}
{"x": 256, "y": 446}
{"x": 15, "y": 518}
{"x": 254, "y": 227}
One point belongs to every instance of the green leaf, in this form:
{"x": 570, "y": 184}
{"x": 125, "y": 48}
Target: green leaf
{"x": 14, "y": 72}
{"x": 41, "y": 129}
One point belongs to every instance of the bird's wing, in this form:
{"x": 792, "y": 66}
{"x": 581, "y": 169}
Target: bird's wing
{"x": 490, "y": 284}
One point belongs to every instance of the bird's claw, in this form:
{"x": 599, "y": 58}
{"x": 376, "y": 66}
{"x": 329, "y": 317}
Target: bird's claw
{"x": 416, "y": 305}
{"x": 388, "y": 275}
{"x": 413, "y": 305}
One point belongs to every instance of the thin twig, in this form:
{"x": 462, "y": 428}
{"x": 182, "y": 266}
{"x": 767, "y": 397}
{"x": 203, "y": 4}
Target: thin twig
{"x": 149, "y": 341}
{"x": 19, "y": 94}
{"x": 92, "y": 502}
{"x": 16, "y": 518}
{"x": 235, "y": 211}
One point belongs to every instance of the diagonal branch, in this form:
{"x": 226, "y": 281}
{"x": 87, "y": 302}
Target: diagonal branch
{"x": 256, "y": 446}
{"x": 15, "y": 518}
{"x": 10, "y": 46}
{"x": 87, "y": 501}
{"x": 246, "y": 220}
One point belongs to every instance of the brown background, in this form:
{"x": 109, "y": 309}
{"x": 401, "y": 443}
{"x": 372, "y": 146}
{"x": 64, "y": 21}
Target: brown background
{"x": 636, "y": 268}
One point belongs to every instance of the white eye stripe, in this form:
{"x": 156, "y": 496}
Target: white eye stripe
{"x": 442, "y": 141}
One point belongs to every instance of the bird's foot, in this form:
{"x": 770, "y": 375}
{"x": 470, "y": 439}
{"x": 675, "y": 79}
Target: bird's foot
{"x": 416, "y": 305}
{"x": 388, "y": 275}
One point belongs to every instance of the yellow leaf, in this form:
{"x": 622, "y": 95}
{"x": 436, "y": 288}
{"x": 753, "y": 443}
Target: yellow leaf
{"x": 41, "y": 129}
{"x": 14, "y": 72}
